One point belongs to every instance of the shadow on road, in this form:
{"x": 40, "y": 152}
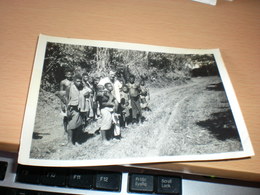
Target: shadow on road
{"x": 221, "y": 125}
{"x": 83, "y": 137}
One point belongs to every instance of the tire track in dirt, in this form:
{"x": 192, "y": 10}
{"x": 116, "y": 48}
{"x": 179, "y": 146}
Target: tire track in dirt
{"x": 186, "y": 136}
{"x": 177, "y": 97}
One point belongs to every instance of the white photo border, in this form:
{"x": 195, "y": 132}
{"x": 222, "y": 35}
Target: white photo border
{"x": 31, "y": 107}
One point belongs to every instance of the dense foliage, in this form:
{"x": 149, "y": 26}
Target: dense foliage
{"x": 157, "y": 68}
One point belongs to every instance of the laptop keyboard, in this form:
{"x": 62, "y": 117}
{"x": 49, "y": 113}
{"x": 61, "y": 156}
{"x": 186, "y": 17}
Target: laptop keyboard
{"x": 70, "y": 178}
{"x": 98, "y": 180}
{"x": 33, "y": 180}
{"x": 112, "y": 180}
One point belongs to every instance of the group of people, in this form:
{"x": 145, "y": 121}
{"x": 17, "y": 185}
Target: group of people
{"x": 114, "y": 102}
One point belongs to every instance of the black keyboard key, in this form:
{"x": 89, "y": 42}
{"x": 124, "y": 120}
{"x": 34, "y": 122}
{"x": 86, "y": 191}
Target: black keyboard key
{"x": 81, "y": 179}
{"x": 28, "y": 174}
{"x": 169, "y": 185}
{"x": 6, "y": 191}
{"x": 3, "y": 166}
{"x": 108, "y": 181}
{"x": 26, "y": 192}
{"x": 141, "y": 183}
{"x": 54, "y": 177}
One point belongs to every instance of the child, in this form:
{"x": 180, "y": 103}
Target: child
{"x": 86, "y": 99}
{"x": 96, "y": 105}
{"x": 75, "y": 122}
{"x": 107, "y": 105}
{"x": 64, "y": 85}
{"x": 144, "y": 96}
{"x": 125, "y": 106}
{"x": 134, "y": 92}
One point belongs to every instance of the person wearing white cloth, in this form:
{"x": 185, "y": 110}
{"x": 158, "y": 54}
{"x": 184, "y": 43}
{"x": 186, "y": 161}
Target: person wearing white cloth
{"x": 116, "y": 84}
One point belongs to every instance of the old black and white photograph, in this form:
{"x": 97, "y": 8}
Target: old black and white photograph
{"x": 102, "y": 103}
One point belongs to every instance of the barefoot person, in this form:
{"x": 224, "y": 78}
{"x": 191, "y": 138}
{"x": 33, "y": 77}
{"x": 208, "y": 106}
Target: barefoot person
{"x": 144, "y": 96}
{"x": 96, "y": 106}
{"x": 134, "y": 92}
{"x": 64, "y": 85}
{"x": 86, "y": 100}
{"x": 107, "y": 106}
{"x": 75, "y": 122}
{"x": 125, "y": 106}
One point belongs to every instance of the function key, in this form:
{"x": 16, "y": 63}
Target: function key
{"x": 169, "y": 185}
{"x": 28, "y": 174}
{"x": 108, "y": 181}
{"x": 54, "y": 177}
{"x": 3, "y": 166}
{"x": 141, "y": 183}
{"x": 81, "y": 179}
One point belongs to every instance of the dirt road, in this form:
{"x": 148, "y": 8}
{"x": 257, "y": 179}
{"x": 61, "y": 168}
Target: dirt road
{"x": 173, "y": 127}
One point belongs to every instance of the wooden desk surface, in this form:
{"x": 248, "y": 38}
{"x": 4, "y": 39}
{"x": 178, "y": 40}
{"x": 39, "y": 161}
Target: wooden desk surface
{"x": 234, "y": 27}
